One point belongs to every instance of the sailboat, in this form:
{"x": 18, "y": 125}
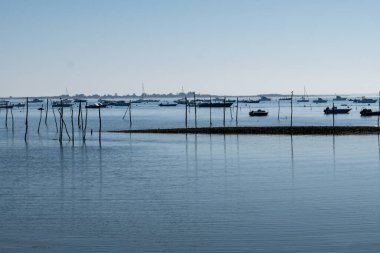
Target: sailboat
{"x": 304, "y": 98}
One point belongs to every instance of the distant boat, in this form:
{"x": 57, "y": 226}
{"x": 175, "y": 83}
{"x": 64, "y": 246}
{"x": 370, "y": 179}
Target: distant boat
{"x": 138, "y": 101}
{"x": 264, "y": 99}
{"x": 221, "y": 100}
{"x": 119, "y": 103}
{"x": 167, "y": 104}
{"x": 62, "y": 103}
{"x": 258, "y": 113}
{"x": 96, "y": 106}
{"x": 339, "y": 98}
{"x": 285, "y": 99}
{"x": 319, "y": 100}
{"x": 19, "y": 105}
{"x": 80, "y": 100}
{"x": 303, "y": 98}
{"x": 6, "y": 106}
{"x": 36, "y": 100}
{"x": 369, "y": 112}
{"x": 335, "y": 110}
{"x": 365, "y": 100}
{"x": 181, "y": 101}
{"x": 217, "y": 104}
{"x": 249, "y": 101}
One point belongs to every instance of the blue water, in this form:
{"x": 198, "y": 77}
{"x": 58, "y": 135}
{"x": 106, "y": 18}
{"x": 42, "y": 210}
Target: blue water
{"x": 178, "y": 193}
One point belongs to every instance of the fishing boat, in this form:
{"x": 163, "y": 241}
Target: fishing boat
{"x": 365, "y": 100}
{"x": 96, "y": 106}
{"x": 339, "y": 98}
{"x": 319, "y": 100}
{"x": 119, "y": 103}
{"x": 217, "y": 104}
{"x": 6, "y": 106}
{"x": 258, "y": 113}
{"x": 167, "y": 104}
{"x": 36, "y": 100}
{"x": 249, "y": 101}
{"x": 62, "y": 103}
{"x": 368, "y": 112}
{"x": 264, "y": 99}
{"x": 221, "y": 100}
{"x": 285, "y": 99}
{"x": 18, "y": 105}
{"x": 335, "y": 110}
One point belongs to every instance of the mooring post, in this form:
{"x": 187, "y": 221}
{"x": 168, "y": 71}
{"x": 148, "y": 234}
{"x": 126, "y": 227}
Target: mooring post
{"x": 55, "y": 118}
{"x": 100, "y": 125}
{"x": 333, "y": 112}
{"x": 72, "y": 123}
{"x": 224, "y": 111}
{"x": 26, "y": 119}
{"x": 210, "y": 112}
{"x": 61, "y": 122}
{"x": 130, "y": 113}
{"x": 47, "y": 109}
{"x": 279, "y": 106}
{"x": 195, "y": 111}
{"x": 6, "y": 115}
{"x": 84, "y": 128}
{"x": 39, "y": 123}
{"x": 237, "y": 110}
{"x": 291, "y": 110}
{"x": 79, "y": 115}
{"x": 13, "y": 122}
{"x": 185, "y": 111}
{"x": 378, "y": 116}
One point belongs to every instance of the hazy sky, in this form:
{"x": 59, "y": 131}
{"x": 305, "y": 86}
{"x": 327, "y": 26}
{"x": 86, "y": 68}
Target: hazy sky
{"x": 220, "y": 47}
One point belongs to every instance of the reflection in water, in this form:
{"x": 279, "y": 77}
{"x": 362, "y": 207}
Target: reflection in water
{"x": 334, "y": 160}
{"x": 196, "y": 154}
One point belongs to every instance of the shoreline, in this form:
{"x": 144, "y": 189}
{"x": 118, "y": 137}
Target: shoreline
{"x": 276, "y": 130}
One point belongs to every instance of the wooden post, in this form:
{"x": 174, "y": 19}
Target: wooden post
{"x": 333, "y": 112}
{"x": 6, "y": 115}
{"x": 39, "y": 123}
{"x": 195, "y": 112}
{"x": 47, "y": 109}
{"x": 279, "y": 106}
{"x": 378, "y": 116}
{"x": 26, "y": 119}
{"x": 84, "y": 128}
{"x": 72, "y": 124}
{"x": 224, "y": 111}
{"x": 55, "y": 118}
{"x": 61, "y": 123}
{"x": 13, "y": 122}
{"x": 79, "y": 115}
{"x": 291, "y": 110}
{"x": 185, "y": 111}
{"x": 210, "y": 111}
{"x": 237, "y": 110}
{"x": 130, "y": 113}
{"x": 100, "y": 125}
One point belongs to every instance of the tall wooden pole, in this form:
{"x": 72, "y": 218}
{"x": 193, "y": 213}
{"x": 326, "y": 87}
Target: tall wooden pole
{"x": 55, "y": 118}
{"x": 13, "y": 122}
{"x": 237, "y": 110}
{"x": 100, "y": 126}
{"x": 26, "y": 119}
{"x": 291, "y": 110}
{"x": 278, "y": 115}
{"x": 46, "y": 111}
{"x": 130, "y": 113}
{"x": 378, "y": 116}
{"x": 6, "y": 115}
{"x": 72, "y": 124}
{"x": 224, "y": 111}
{"x": 333, "y": 110}
{"x": 186, "y": 112}
{"x": 195, "y": 112}
{"x": 39, "y": 123}
{"x": 79, "y": 115}
{"x": 210, "y": 112}
{"x": 84, "y": 128}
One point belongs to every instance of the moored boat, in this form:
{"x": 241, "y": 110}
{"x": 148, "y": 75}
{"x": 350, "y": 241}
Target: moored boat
{"x": 96, "y": 106}
{"x": 259, "y": 113}
{"x": 335, "y": 110}
{"x": 339, "y": 98}
{"x": 167, "y": 104}
{"x": 217, "y": 104}
{"x": 368, "y": 112}
{"x": 365, "y": 100}
{"x": 36, "y": 100}
{"x": 319, "y": 100}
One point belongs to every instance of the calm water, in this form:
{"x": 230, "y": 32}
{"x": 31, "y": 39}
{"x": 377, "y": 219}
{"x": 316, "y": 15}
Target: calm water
{"x": 178, "y": 193}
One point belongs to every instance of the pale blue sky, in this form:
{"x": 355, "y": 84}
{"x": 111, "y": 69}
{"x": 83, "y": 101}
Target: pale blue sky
{"x": 220, "y": 47}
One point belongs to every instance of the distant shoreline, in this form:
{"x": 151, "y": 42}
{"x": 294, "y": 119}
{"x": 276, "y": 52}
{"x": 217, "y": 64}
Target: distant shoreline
{"x": 276, "y": 130}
